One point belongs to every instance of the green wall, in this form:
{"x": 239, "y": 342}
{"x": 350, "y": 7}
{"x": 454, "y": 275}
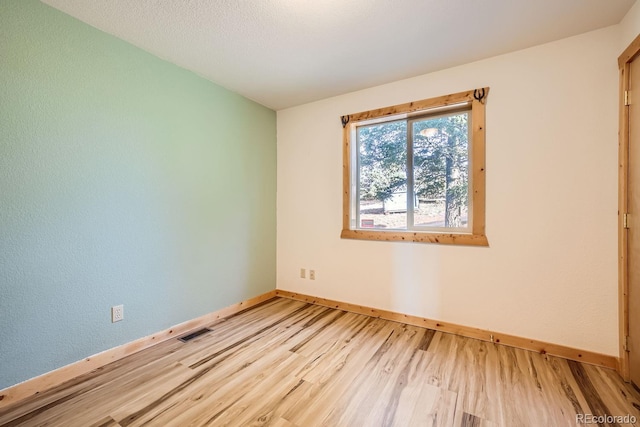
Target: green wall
{"x": 124, "y": 179}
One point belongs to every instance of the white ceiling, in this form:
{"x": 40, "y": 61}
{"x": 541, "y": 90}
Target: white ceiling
{"x": 283, "y": 53}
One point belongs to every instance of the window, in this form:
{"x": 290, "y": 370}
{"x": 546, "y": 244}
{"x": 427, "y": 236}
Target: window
{"x": 416, "y": 172}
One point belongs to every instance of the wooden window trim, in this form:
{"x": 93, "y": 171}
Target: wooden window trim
{"x": 477, "y": 236}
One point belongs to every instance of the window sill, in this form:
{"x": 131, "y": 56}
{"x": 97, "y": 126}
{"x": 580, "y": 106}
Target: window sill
{"x": 417, "y": 237}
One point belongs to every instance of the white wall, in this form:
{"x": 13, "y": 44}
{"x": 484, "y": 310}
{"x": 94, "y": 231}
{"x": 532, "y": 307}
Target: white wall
{"x": 629, "y": 27}
{"x": 550, "y": 272}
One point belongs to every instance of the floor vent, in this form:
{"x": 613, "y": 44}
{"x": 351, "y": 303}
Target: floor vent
{"x": 193, "y": 335}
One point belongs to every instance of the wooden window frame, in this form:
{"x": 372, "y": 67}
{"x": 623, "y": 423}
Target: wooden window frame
{"x": 476, "y": 99}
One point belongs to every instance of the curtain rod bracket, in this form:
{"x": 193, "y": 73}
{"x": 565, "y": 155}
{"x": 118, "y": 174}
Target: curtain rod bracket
{"x": 478, "y": 95}
{"x": 344, "y": 120}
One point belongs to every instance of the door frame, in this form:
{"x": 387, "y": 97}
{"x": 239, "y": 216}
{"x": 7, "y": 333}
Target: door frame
{"x": 624, "y": 61}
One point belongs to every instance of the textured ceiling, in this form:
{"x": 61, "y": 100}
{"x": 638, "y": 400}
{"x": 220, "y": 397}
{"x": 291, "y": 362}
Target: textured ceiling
{"x": 283, "y": 53}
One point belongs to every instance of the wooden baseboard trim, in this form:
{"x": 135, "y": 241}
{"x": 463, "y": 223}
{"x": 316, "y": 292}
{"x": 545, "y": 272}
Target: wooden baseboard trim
{"x": 56, "y": 377}
{"x": 465, "y": 331}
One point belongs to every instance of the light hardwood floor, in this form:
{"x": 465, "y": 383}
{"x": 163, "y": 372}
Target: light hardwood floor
{"x": 287, "y": 363}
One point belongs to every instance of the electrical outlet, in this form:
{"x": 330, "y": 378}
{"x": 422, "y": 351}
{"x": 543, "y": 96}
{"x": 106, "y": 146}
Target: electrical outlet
{"x": 303, "y": 273}
{"x": 312, "y": 274}
{"x": 117, "y": 313}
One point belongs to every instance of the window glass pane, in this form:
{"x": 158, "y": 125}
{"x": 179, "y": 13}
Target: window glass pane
{"x": 382, "y": 176}
{"x": 441, "y": 171}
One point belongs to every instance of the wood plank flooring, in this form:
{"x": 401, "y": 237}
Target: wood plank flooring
{"x": 286, "y": 363}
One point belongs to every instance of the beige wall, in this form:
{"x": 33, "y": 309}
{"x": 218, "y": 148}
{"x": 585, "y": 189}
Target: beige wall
{"x": 550, "y": 271}
{"x": 629, "y": 27}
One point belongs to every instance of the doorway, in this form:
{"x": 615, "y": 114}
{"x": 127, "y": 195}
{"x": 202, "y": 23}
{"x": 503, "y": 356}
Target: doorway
{"x": 629, "y": 213}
